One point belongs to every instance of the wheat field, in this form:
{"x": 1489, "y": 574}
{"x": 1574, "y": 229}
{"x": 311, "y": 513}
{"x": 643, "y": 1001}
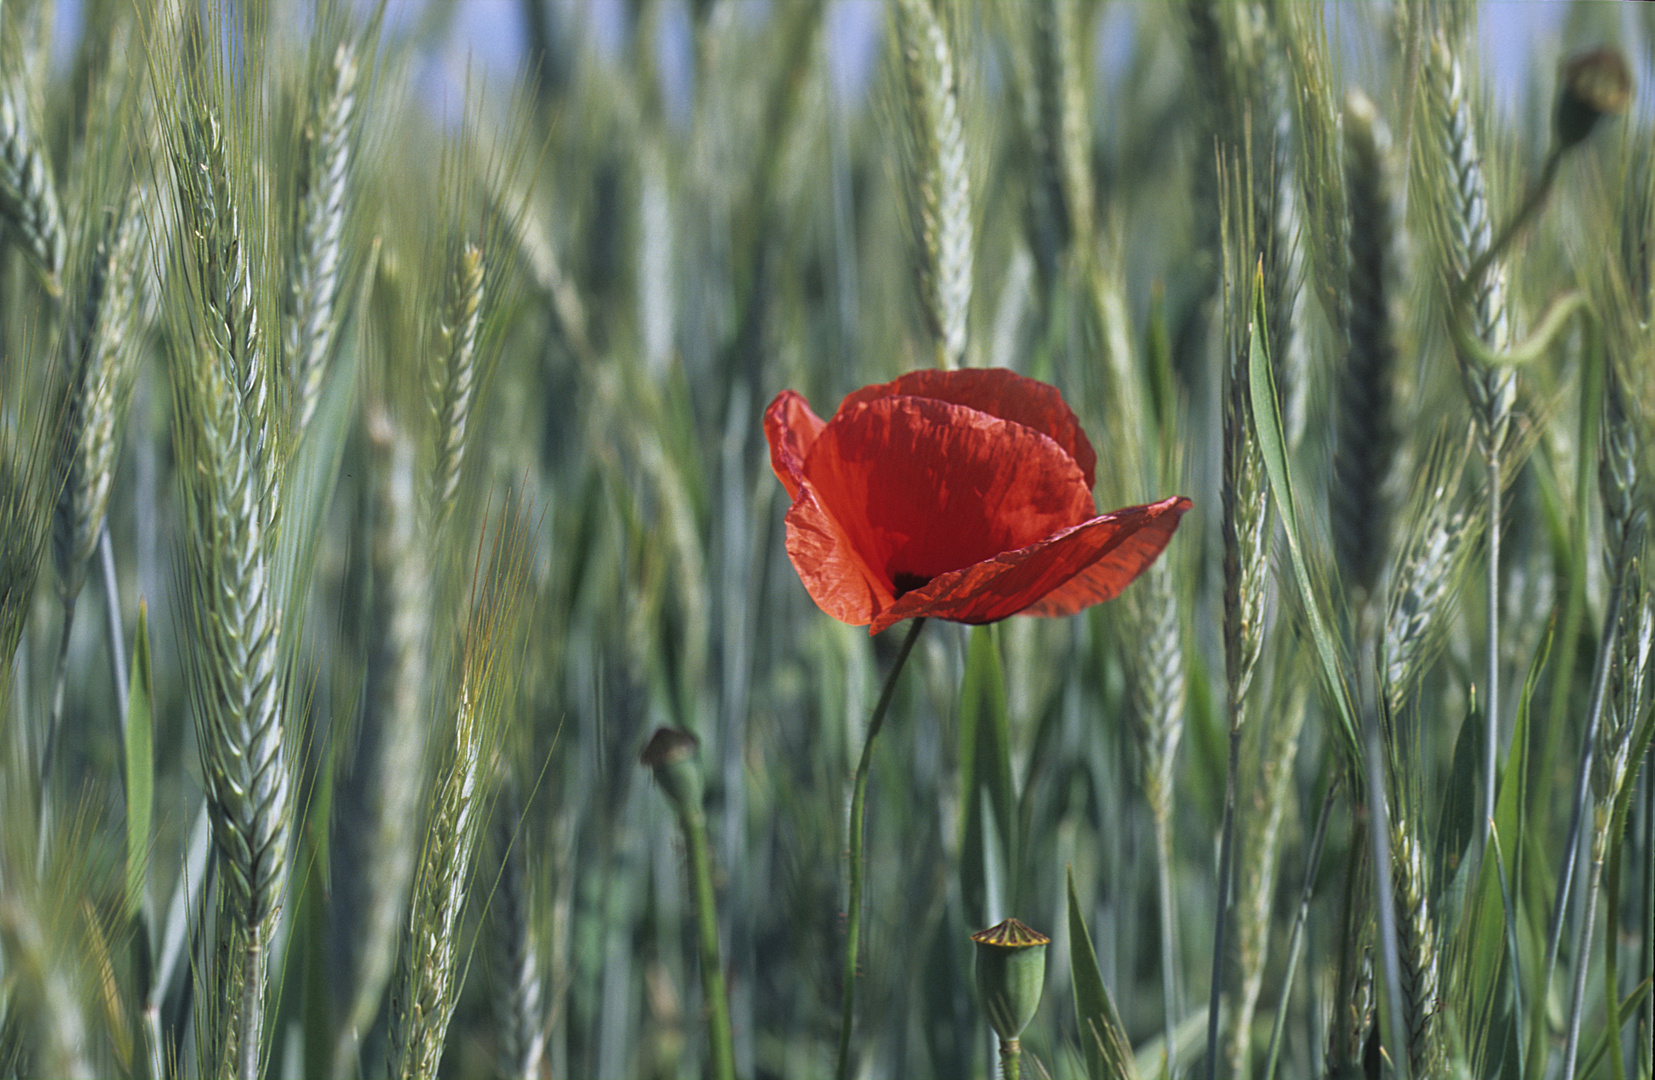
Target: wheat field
{"x": 402, "y": 667}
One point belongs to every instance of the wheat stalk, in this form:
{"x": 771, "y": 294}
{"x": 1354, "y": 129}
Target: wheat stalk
{"x": 939, "y": 185}
{"x": 317, "y": 261}
{"x": 1244, "y": 524}
{"x": 392, "y": 750}
{"x": 227, "y": 441}
{"x": 1063, "y": 188}
{"x": 1158, "y": 723}
{"x": 453, "y": 380}
{"x": 103, "y": 342}
{"x": 1359, "y": 504}
{"x": 28, "y": 195}
{"x": 428, "y": 984}
{"x": 1428, "y": 576}
{"x": 1416, "y": 945}
{"x": 514, "y": 967}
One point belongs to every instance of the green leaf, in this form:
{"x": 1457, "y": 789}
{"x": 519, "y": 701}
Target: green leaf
{"x": 1460, "y": 810}
{"x": 985, "y": 773}
{"x": 140, "y": 770}
{"x": 1268, "y": 427}
{"x": 1108, "y": 1053}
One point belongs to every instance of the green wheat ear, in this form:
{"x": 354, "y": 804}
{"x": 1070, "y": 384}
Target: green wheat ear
{"x": 317, "y": 261}
{"x": 428, "y": 980}
{"x": 29, "y": 205}
{"x": 939, "y": 183}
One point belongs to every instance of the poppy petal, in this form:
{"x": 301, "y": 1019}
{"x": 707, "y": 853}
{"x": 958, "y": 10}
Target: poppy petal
{"x": 833, "y": 573}
{"x": 792, "y": 429}
{"x": 921, "y": 487}
{"x": 1083, "y": 565}
{"x": 1000, "y": 393}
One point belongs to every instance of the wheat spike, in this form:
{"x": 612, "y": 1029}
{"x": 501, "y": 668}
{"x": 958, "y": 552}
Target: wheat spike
{"x": 1359, "y": 501}
{"x": 104, "y": 343}
{"x": 939, "y": 186}
{"x": 454, "y": 378}
{"x": 1429, "y": 574}
{"x": 514, "y": 970}
{"x": 394, "y": 738}
{"x": 318, "y": 240}
{"x": 1062, "y": 144}
{"x": 1467, "y": 231}
{"x": 1417, "y": 947}
{"x": 227, "y": 440}
{"x": 1244, "y": 494}
{"x": 28, "y": 196}
{"x": 426, "y": 989}
{"x": 25, "y": 511}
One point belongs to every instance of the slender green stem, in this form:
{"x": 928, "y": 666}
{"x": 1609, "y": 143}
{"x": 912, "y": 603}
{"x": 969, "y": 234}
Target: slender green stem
{"x": 1532, "y": 202}
{"x": 1491, "y": 691}
{"x": 117, "y": 633}
{"x": 1583, "y": 961}
{"x": 1295, "y": 941}
{"x": 853, "y": 907}
{"x": 1510, "y": 909}
{"x": 1169, "y": 926}
{"x": 250, "y": 1017}
{"x": 1571, "y": 846}
{"x": 1379, "y": 834}
{"x": 1611, "y": 969}
{"x": 712, "y": 968}
{"x": 1226, "y": 854}
{"x": 1011, "y": 1059}
{"x": 54, "y": 720}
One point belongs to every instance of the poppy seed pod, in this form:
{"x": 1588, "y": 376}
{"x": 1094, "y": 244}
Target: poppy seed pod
{"x": 1011, "y": 973}
{"x": 1593, "y": 85}
{"x": 670, "y": 754}
{"x": 962, "y": 495}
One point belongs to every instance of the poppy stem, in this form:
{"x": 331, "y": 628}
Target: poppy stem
{"x": 858, "y": 799}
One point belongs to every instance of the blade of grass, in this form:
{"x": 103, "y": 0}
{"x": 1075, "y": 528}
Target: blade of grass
{"x": 1268, "y": 424}
{"x": 1103, "y": 1039}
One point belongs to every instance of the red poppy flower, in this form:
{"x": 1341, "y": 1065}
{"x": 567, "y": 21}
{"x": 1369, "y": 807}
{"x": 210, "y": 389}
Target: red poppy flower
{"x": 963, "y": 495}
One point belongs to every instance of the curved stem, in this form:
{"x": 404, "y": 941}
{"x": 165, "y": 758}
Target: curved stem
{"x": 1169, "y": 925}
{"x": 1491, "y": 691}
{"x": 1583, "y": 776}
{"x": 712, "y": 968}
{"x": 54, "y": 720}
{"x": 117, "y": 633}
{"x": 853, "y": 907}
{"x": 1583, "y": 961}
{"x": 1295, "y": 942}
{"x": 1226, "y": 854}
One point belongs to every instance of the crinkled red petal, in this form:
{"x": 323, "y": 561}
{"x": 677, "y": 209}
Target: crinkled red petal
{"x": 833, "y": 573}
{"x": 792, "y": 429}
{"x": 921, "y": 487}
{"x": 1000, "y": 393}
{"x": 1060, "y": 575}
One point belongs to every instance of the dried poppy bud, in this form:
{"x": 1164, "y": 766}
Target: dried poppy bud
{"x": 1011, "y": 973}
{"x": 963, "y": 495}
{"x": 1593, "y": 84}
{"x": 670, "y": 754}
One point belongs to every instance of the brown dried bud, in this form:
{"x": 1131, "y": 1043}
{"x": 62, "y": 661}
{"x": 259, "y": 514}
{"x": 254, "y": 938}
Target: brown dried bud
{"x": 1592, "y": 85}
{"x": 670, "y": 754}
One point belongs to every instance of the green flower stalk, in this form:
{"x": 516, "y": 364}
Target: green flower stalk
{"x": 670, "y": 754}
{"x": 1011, "y": 972}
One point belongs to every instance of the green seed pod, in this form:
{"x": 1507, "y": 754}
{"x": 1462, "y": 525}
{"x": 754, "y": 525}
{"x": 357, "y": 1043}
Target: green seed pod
{"x": 1011, "y": 971}
{"x": 670, "y": 754}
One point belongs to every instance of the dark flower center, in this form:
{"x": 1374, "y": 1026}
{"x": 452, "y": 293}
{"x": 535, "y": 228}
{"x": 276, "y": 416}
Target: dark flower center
{"x": 904, "y": 582}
